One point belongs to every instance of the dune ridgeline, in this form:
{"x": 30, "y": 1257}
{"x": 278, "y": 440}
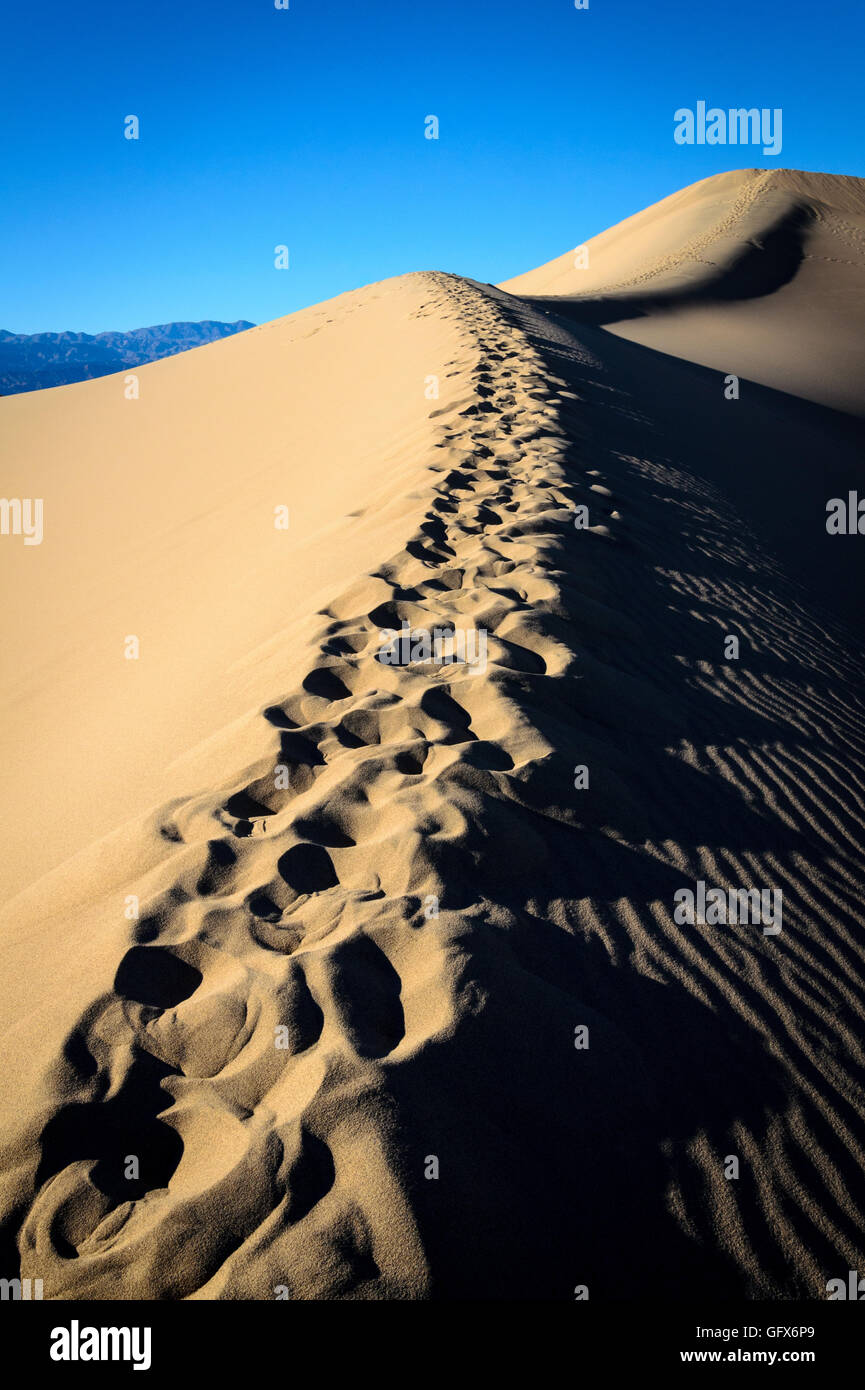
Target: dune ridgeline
{"x": 385, "y": 680}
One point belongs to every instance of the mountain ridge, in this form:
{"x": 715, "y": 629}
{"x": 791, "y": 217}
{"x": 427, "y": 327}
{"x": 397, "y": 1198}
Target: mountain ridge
{"x": 36, "y": 361}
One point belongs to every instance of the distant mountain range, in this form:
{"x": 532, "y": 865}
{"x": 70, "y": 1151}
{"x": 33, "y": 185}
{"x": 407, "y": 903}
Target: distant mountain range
{"x": 31, "y": 361}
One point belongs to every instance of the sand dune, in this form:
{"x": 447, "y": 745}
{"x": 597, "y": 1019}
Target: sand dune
{"x": 159, "y": 523}
{"x": 760, "y": 272}
{"x": 339, "y": 1037}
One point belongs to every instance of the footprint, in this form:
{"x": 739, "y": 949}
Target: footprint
{"x": 326, "y": 684}
{"x": 441, "y": 706}
{"x": 155, "y": 976}
{"x": 311, "y": 1175}
{"x": 220, "y": 859}
{"x": 366, "y": 992}
{"x": 307, "y": 868}
{"x": 322, "y": 830}
{"x": 104, "y": 1135}
{"x": 410, "y": 762}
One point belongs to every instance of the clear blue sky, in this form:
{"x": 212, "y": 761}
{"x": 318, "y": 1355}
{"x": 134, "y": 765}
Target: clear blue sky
{"x": 306, "y": 127}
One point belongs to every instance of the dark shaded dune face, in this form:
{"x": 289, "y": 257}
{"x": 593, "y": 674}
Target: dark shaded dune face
{"x": 755, "y": 269}
{"x": 409, "y": 1011}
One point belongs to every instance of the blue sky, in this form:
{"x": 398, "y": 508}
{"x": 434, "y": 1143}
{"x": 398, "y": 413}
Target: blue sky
{"x": 305, "y": 127}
